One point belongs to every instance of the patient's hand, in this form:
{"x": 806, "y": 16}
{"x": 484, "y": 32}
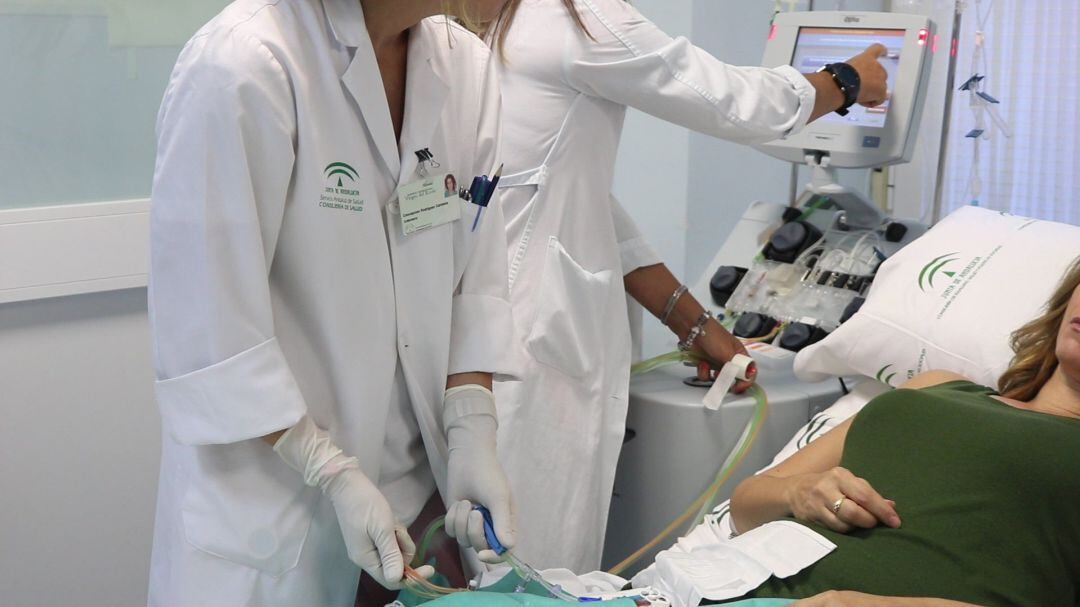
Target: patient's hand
{"x": 814, "y": 497}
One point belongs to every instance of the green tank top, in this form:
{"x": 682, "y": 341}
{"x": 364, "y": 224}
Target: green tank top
{"x": 989, "y": 497}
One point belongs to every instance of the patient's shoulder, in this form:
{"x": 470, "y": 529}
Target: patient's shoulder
{"x": 932, "y": 378}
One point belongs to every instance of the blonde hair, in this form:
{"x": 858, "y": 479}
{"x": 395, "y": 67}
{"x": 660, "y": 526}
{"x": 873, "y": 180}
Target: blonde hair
{"x": 496, "y": 31}
{"x": 1034, "y": 358}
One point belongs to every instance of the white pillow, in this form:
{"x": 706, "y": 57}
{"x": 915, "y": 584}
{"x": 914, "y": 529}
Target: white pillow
{"x": 949, "y": 300}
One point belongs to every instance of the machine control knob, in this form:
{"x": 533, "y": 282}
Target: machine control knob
{"x": 852, "y": 308}
{"x": 789, "y": 240}
{"x": 800, "y": 335}
{"x": 724, "y": 282}
{"x": 752, "y": 324}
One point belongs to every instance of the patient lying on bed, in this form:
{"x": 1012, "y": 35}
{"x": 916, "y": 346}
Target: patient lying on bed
{"x": 945, "y": 488}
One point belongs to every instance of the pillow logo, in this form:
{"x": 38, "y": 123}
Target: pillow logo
{"x": 882, "y": 377}
{"x": 936, "y": 266}
{"x": 336, "y": 194}
{"x": 948, "y": 281}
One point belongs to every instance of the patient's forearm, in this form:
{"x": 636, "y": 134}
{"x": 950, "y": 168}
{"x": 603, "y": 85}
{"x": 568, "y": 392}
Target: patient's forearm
{"x": 758, "y": 500}
{"x": 846, "y": 598}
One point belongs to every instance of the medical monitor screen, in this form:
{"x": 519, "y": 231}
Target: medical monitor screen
{"x": 817, "y": 47}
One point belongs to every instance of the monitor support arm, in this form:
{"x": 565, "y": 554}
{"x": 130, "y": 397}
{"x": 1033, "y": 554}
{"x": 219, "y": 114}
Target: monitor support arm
{"x": 860, "y": 211}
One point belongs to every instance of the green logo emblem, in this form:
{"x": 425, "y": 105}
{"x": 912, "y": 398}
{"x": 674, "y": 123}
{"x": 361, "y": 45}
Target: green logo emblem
{"x": 341, "y": 170}
{"x": 932, "y": 269}
{"x": 340, "y": 191}
{"x": 885, "y": 379}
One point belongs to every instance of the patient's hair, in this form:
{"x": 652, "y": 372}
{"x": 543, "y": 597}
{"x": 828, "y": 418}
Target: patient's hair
{"x": 1033, "y": 344}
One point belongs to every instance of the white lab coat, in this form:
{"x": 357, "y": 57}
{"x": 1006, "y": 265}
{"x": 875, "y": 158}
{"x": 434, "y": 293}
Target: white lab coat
{"x": 564, "y": 99}
{"x": 274, "y": 293}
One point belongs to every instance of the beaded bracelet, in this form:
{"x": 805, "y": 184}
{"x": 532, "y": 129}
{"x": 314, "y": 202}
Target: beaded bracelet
{"x": 695, "y": 332}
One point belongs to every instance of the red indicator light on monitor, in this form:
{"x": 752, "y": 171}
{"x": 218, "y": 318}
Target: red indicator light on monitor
{"x": 923, "y": 35}
{"x": 772, "y": 31}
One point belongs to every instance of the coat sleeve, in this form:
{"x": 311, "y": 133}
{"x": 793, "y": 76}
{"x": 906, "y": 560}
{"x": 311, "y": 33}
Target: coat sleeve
{"x": 225, "y": 159}
{"x": 634, "y": 63}
{"x": 482, "y": 326}
{"x": 634, "y": 250}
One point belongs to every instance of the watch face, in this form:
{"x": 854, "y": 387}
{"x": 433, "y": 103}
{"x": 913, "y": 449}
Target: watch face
{"x": 846, "y": 74}
{"x": 848, "y": 79}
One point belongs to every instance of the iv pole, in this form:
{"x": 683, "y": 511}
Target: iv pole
{"x": 950, "y": 84}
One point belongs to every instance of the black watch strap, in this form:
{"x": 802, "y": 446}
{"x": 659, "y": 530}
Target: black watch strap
{"x": 847, "y": 78}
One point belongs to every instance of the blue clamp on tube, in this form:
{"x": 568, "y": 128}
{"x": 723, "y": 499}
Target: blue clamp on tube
{"x": 489, "y": 531}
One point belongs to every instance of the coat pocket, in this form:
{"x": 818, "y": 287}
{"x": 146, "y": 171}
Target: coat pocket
{"x": 246, "y": 506}
{"x": 566, "y": 334}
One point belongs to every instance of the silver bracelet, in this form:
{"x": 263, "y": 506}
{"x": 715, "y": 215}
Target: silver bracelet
{"x": 695, "y": 332}
{"x": 682, "y": 289}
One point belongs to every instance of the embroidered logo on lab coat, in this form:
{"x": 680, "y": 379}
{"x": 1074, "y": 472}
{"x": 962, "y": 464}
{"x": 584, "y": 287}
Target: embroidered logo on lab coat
{"x": 340, "y": 191}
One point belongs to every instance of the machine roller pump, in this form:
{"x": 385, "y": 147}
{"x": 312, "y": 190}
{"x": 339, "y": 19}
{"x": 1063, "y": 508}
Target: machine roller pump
{"x": 724, "y": 282}
{"x": 753, "y": 325}
{"x": 789, "y": 240}
{"x": 800, "y": 335}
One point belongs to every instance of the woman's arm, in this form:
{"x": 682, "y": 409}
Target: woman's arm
{"x": 464, "y": 379}
{"x": 809, "y": 485}
{"x": 846, "y": 598}
{"x": 631, "y": 61}
{"x": 652, "y": 286}
{"x": 225, "y": 159}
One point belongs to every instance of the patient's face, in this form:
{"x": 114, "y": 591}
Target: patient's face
{"x": 1068, "y": 339}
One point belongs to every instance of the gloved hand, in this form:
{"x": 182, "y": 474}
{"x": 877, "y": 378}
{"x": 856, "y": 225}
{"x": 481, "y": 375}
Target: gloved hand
{"x": 374, "y": 540}
{"x": 475, "y": 476}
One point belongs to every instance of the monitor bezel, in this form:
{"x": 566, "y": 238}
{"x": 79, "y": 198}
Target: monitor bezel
{"x": 846, "y": 144}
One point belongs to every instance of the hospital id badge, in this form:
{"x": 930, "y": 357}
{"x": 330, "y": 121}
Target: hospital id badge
{"x": 428, "y": 202}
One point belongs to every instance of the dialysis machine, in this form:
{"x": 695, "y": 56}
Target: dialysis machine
{"x": 783, "y": 280}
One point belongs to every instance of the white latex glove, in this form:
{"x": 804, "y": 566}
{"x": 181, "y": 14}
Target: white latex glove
{"x": 374, "y": 540}
{"x": 475, "y": 476}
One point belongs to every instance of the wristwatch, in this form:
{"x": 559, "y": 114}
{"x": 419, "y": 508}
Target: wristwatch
{"x": 847, "y": 79}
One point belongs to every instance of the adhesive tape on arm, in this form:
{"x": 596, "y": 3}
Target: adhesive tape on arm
{"x": 738, "y": 368}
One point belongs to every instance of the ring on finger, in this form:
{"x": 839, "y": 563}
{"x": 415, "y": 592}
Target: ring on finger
{"x": 837, "y": 504}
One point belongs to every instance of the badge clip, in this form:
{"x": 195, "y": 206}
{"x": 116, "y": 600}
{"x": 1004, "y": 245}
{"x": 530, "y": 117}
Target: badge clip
{"x": 426, "y": 160}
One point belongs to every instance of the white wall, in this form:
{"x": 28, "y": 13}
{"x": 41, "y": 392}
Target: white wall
{"x": 651, "y": 173}
{"x": 79, "y": 451}
{"x": 83, "y": 81}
